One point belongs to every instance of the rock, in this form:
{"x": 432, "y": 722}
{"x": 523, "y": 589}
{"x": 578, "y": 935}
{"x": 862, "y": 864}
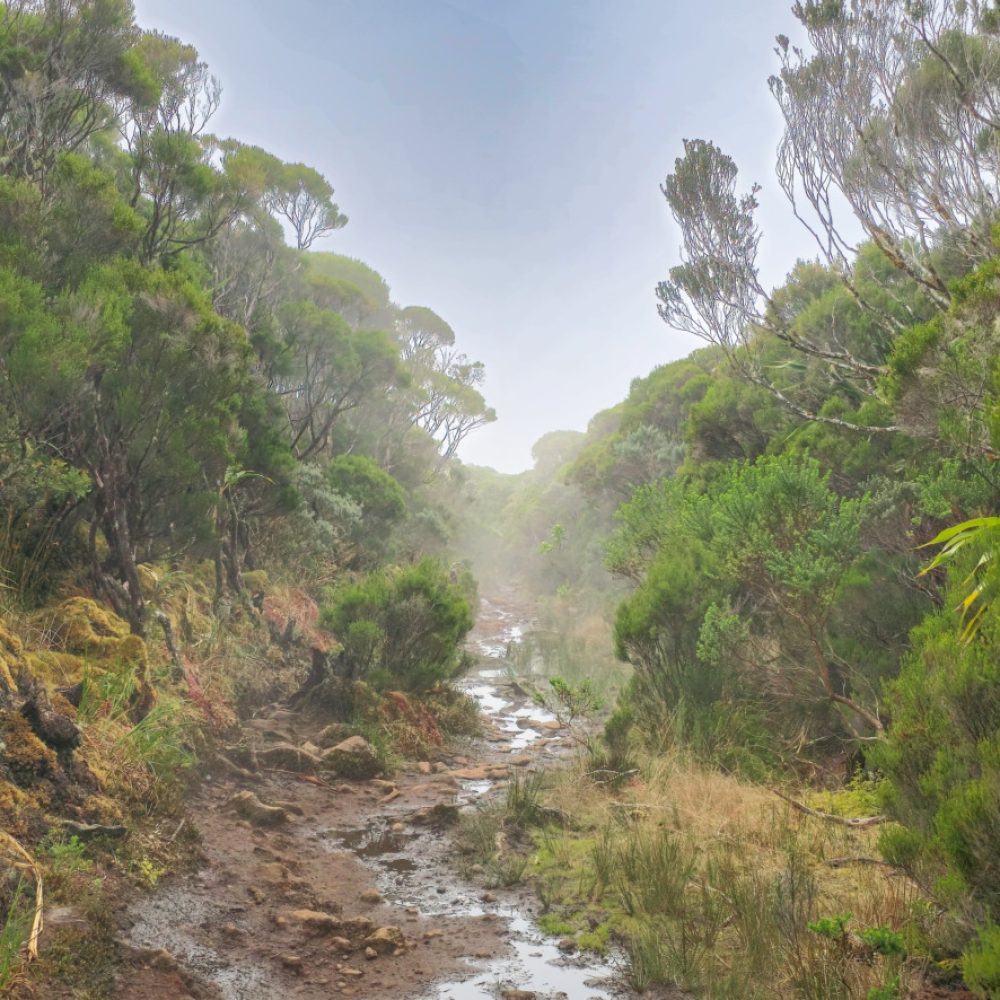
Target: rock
{"x": 350, "y": 971}
{"x": 441, "y": 814}
{"x": 292, "y": 808}
{"x": 434, "y": 932}
{"x": 566, "y": 944}
{"x": 357, "y": 927}
{"x": 317, "y": 920}
{"x": 56, "y": 728}
{"x": 425, "y": 767}
{"x": 354, "y": 757}
{"x": 311, "y": 748}
{"x": 385, "y": 940}
{"x": 488, "y": 897}
{"x": 266, "y": 728}
{"x": 247, "y": 805}
{"x": 372, "y": 896}
{"x": 342, "y": 944}
{"x": 288, "y": 757}
{"x": 293, "y": 962}
{"x": 398, "y": 828}
{"x": 551, "y": 724}
{"x": 470, "y": 774}
{"x": 370, "y": 954}
{"x": 522, "y": 761}
{"x": 517, "y": 995}
{"x": 331, "y": 735}
{"x": 161, "y": 960}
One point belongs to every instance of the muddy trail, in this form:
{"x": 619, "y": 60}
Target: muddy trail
{"x": 314, "y": 888}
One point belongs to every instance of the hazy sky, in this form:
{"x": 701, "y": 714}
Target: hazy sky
{"x": 500, "y": 162}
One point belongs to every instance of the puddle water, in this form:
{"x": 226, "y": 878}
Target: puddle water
{"x": 407, "y": 865}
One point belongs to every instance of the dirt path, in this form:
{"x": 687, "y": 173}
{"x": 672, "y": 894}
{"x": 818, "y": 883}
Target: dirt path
{"x": 355, "y": 892}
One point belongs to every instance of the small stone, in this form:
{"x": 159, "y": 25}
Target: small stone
{"x": 488, "y": 897}
{"x": 371, "y": 954}
{"x": 293, "y": 962}
{"x": 434, "y": 932}
{"x": 342, "y": 944}
{"x": 567, "y": 944}
{"x": 372, "y": 896}
{"x": 517, "y": 995}
{"x": 425, "y": 767}
{"x": 315, "y": 920}
{"x": 247, "y": 805}
{"x": 162, "y": 961}
{"x": 348, "y": 970}
{"x": 385, "y": 940}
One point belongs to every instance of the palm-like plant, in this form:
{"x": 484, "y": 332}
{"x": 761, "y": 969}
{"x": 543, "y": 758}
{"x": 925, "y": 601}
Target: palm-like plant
{"x": 981, "y": 532}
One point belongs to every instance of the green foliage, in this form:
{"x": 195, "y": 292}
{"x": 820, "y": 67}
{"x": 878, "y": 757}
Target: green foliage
{"x": 401, "y": 628}
{"x": 832, "y": 928}
{"x": 883, "y": 940}
{"x": 942, "y": 758}
{"x": 981, "y": 964}
{"x": 13, "y": 934}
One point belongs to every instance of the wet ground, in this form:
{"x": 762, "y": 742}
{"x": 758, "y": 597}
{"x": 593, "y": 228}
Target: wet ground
{"x": 363, "y": 850}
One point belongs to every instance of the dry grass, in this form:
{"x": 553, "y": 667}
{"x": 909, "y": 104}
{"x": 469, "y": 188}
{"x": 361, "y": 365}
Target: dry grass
{"x": 711, "y": 883}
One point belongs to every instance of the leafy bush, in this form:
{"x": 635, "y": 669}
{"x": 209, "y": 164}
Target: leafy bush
{"x": 942, "y": 759}
{"x": 401, "y": 628}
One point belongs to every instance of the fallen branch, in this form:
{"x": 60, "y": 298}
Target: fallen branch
{"x": 32, "y": 865}
{"x": 855, "y": 822}
{"x": 846, "y": 862}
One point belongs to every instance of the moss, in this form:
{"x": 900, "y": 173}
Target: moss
{"x": 255, "y": 580}
{"x": 55, "y": 669}
{"x": 16, "y": 806}
{"x": 149, "y": 580}
{"x": 11, "y": 658}
{"x": 80, "y": 625}
{"x": 25, "y": 756}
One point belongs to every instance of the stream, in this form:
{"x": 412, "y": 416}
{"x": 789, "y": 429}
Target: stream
{"x": 533, "y": 963}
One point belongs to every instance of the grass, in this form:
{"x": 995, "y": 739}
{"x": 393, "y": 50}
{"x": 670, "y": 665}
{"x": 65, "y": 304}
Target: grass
{"x": 711, "y": 884}
{"x": 13, "y": 935}
{"x": 495, "y": 835}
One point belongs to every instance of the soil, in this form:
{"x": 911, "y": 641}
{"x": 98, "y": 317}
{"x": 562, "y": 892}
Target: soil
{"x": 358, "y": 849}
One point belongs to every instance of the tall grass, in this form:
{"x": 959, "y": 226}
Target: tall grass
{"x": 717, "y": 887}
{"x": 13, "y": 935}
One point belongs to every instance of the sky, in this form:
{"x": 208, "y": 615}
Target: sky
{"x": 500, "y": 161}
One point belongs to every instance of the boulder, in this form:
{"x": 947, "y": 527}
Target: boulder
{"x": 354, "y": 757}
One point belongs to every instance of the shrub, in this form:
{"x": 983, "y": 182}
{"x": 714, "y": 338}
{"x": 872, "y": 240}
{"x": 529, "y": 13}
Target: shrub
{"x": 401, "y": 628}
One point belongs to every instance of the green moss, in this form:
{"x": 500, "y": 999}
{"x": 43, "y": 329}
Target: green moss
{"x": 26, "y": 757}
{"x": 81, "y": 626}
{"x": 56, "y": 669}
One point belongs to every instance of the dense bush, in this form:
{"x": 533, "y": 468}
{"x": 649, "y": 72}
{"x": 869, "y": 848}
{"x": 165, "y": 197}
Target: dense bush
{"x": 401, "y": 627}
